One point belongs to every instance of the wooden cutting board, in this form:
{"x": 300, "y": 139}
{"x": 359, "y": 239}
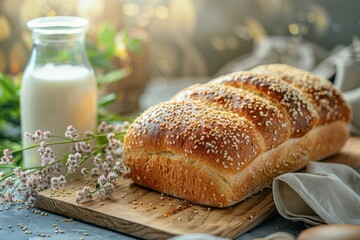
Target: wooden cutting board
{"x": 147, "y": 214}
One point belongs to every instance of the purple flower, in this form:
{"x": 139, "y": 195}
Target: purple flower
{"x": 102, "y": 180}
{"x": 9, "y": 182}
{"x": 97, "y": 160}
{"x": 29, "y": 136}
{"x": 47, "y": 155}
{"x": 37, "y": 135}
{"x": 121, "y": 168}
{"x": 107, "y": 189}
{"x": 82, "y": 147}
{"x": 84, "y": 195}
{"x": 105, "y": 166}
{"x": 112, "y": 176}
{"x": 104, "y": 127}
{"x": 71, "y": 132}
{"x": 31, "y": 184}
{"x": 58, "y": 182}
{"x": 20, "y": 174}
{"x": 72, "y": 162}
{"x": 7, "y": 157}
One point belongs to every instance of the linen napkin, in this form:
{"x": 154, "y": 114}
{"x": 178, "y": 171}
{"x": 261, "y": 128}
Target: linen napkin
{"x": 326, "y": 193}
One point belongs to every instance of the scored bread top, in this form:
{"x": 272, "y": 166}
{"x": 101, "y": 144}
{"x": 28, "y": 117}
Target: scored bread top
{"x": 320, "y": 93}
{"x": 301, "y": 113}
{"x": 266, "y": 118}
{"x": 197, "y": 131}
{"x": 229, "y": 121}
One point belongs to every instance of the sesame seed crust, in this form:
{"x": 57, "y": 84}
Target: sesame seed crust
{"x": 264, "y": 116}
{"x": 326, "y": 99}
{"x": 221, "y": 139}
{"x": 218, "y": 143}
{"x": 300, "y": 111}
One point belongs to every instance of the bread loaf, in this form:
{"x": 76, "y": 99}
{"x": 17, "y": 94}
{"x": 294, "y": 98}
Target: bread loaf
{"x": 218, "y": 143}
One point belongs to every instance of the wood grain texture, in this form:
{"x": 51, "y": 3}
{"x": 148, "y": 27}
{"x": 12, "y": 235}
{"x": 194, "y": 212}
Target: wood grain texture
{"x": 147, "y": 214}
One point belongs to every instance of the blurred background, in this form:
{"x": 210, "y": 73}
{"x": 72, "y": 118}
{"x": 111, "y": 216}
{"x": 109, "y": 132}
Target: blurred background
{"x": 192, "y": 38}
{"x": 188, "y": 37}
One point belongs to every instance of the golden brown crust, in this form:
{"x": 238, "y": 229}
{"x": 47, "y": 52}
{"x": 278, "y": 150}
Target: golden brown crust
{"x": 220, "y": 142}
{"x": 301, "y": 113}
{"x": 321, "y": 93}
{"x": 267, "y": 118}
{"x": 199, "y": 182}
{"x": 221, "y": 139}
{"x": 189, "y": 180}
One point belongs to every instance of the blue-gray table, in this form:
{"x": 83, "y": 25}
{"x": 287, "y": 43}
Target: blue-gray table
{"x": 16, "y": 221}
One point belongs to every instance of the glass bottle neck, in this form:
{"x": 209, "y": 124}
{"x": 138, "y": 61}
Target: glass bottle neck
{"x": 59, "y": 49}
{"x": 58, "y": 41}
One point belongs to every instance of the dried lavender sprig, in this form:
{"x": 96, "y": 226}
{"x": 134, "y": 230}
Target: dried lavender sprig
{"x": 83, "y": 159}
{"x": 121, "y": 134}
{"x": 27, "y": 169}
{"x": 39, "y": 178}
{"x": 29, "y": 173}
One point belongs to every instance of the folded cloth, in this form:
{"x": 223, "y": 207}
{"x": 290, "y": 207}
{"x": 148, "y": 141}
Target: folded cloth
{"x": 326, "y": 193}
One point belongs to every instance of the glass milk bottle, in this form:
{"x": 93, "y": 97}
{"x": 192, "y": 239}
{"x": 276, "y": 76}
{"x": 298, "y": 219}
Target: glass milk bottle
{"x": 58, "y": 86}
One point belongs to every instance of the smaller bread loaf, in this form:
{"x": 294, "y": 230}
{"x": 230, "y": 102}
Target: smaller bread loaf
{"x": 218, "y": 143}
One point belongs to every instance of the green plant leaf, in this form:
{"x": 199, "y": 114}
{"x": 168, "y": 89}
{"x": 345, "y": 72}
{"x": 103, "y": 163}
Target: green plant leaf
{"x": 113, "y": 76}
{"x": 8, "y": 87}
{"x": 112, "y": 117}
{"x": 9, "y": 111}
{"x": 107, "y": 100}
{"x": 134, "y": 45}
{"x": 65, "y": 158}
{"x": 106, "y": 38}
